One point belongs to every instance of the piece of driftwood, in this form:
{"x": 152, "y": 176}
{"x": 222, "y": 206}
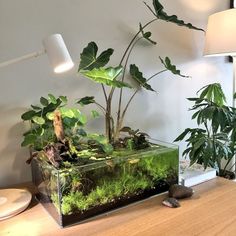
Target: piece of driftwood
{"x": 58, "y": 126}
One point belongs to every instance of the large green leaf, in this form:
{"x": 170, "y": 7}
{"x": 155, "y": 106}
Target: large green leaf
{"x": 138, "y": 77}
{"x": 169, "y": 66}
{"x": 89, "y": 59}
{"x": 162, "y": 15}
{"x": 146, "y": 35}
{"x": 106, "y": 76}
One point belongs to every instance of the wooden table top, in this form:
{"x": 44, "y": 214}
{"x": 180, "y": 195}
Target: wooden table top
{"x": 211, "y": 211}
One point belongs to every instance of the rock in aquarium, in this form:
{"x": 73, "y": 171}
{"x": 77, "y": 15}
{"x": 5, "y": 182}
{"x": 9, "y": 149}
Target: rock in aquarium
{"x": 171, "y": 202}
{"x": 180, "y": 192}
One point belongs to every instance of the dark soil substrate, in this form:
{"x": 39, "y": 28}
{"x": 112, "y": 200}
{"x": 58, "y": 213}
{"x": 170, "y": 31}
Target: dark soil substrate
{"x": 77, "y": 217}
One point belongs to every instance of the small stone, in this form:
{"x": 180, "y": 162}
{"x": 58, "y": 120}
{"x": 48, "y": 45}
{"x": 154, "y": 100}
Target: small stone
{"x": 180, "y": 192}
{"x": 171, "y": 202}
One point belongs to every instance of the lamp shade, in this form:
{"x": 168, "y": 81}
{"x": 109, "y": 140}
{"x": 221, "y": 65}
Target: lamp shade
{"x": 221, "y": 34}
{"x": 58, "y": 54}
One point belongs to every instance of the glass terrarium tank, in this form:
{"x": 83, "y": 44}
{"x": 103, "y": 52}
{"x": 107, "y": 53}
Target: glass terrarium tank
{"x": 93, "y": 186}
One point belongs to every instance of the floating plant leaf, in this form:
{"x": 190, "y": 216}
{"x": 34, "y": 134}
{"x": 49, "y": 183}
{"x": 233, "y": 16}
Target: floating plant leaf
{"x": 162, "y": 15}
{"x": 146, "y": 35}
{"x": 138, "y": 77}
{"x": 89, "y": 59}
{"x": 106, "y": 76}
{"x": 169, "y": 66}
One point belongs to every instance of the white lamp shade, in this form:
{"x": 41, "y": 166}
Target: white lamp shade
{"x": 221, "y": 34}
{"x": 58, "y": 54}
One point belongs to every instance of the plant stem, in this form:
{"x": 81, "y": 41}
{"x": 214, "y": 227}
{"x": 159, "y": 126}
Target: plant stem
{"x": 101, "y": 107}
{"x": 136, "y": 35}
{"x": 109, "y": 98}
{"x": 119, "y": 125}
{"x": 122, "y": 79}
{"x": 104, "y": 92}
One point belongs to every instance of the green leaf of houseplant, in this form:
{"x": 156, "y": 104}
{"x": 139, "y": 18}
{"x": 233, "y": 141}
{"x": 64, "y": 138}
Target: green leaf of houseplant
{"x": 162, "y": 15}
{"x": 83, "y": 119}
{"x": 44, "y": 101}
{"x": 138, "y": 77}
{"x": 63, "y": 99}
{"x": 106, "y": 76}
{"x": 52, "y": 99}
{"x": 38, "y": 120}
{"x": 94, "y": 114}
{"x": 66, "y": 112}
{"x": 28, "y": 115}
{"x": 29, "y": 139}
{"x": 86, "y": 100}
{"x": 146, "y": 35}
{"x": 169, "y": 66}
{"x": 89, "y": 59}
{"x": 214, "y": 93}
{"x": 36, "y": 108}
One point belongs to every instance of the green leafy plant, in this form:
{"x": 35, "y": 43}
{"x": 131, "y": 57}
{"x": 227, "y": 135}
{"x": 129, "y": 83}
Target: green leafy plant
{"x": 40, "y": 118}
{"x": 93, "y": 67}
{"x": 214, "y": 140}
{"x": 59, "y": 145}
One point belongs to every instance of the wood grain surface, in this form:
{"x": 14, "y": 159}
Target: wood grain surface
{"x": 211, "y": 211}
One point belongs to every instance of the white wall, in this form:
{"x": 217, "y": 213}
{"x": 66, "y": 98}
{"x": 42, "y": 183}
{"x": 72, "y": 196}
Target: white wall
{"x": 110, "y": 23}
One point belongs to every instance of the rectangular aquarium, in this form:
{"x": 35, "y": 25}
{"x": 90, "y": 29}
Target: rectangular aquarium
{"x": 82, "y": 190}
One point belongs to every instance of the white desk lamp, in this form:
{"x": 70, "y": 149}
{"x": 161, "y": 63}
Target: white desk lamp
{"x": 14, "y": 201}
{"x": 56, "y": 50}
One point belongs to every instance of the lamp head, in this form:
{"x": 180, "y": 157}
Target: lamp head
{"x": 221, "y": 34}
{"x": 58, "y": 54}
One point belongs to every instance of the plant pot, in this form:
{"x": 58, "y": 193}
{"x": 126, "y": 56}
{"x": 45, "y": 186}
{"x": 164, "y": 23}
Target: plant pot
{"x": 79, "y": 192}
{"x": 227, "y": 174}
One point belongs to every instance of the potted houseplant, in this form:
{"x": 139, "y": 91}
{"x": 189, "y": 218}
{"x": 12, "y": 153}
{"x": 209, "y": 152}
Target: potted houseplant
{"x": 213, "y": 142}
{"x": 80, "y": 174}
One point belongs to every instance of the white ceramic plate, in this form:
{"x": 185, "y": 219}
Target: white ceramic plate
{"x": 13, "y": 201}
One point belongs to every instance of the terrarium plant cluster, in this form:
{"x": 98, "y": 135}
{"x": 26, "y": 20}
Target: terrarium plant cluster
{"x": 53, "y": 122}
{"x": 96, "y": 172}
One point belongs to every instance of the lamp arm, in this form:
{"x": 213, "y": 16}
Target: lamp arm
{"x": 22, "y": 58}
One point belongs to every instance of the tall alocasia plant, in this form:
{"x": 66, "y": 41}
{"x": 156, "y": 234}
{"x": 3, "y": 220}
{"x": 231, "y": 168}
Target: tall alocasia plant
{"x": 92, "y": 66}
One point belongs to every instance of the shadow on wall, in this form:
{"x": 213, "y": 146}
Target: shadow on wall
{"x": 12, "y": 156}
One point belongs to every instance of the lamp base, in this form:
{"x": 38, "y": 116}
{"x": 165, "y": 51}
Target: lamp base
{"x": 13, "y": 202}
